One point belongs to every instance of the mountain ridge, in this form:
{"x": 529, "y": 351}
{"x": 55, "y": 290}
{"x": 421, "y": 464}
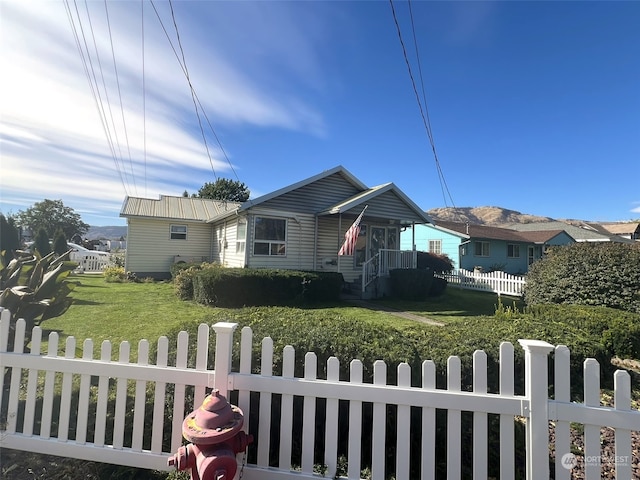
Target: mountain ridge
{"x": 489, "y": 215}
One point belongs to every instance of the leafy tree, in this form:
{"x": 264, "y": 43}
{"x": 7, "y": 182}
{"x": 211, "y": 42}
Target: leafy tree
{"x": 9, "y": 237}
{"x": 605, "y": 274}
{"x": 51, "y": 215}
{"x": 41, "y": 243}
{"x": 224, "y": 189}
{"x": 60, "y": 242}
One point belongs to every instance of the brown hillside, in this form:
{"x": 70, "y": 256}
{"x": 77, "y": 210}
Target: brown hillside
{"x": 484, "y": 215}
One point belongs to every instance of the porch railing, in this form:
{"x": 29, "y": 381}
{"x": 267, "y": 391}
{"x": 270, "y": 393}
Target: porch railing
{"x": 386, "y": 260}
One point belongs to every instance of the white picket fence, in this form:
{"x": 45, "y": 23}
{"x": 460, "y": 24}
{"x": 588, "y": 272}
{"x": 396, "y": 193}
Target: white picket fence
{"x": 115, "y": 411}
{"x": 499, "y": 282}
{"x": 90, "y": 263}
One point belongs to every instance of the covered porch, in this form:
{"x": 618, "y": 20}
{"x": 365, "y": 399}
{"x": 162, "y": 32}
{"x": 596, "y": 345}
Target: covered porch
{"x": 370, "y": 224}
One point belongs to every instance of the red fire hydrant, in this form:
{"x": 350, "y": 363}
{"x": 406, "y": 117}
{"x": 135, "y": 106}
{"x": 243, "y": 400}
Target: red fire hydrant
{"x": 216, "y": 436}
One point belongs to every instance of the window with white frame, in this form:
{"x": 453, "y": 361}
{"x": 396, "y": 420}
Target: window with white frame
{"x": 270, "y": 236}
{"x": 513, "y": 250}
{"x": 435, "y": 246}
{"x": 178, "y": 232}
{"x": 241, "y": 235}
{"x": 482, "y": 249}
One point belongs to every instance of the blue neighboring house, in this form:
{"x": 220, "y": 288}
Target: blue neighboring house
{"x": 471, "y": 246}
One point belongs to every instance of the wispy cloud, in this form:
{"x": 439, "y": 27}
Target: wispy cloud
{"x": 53, "y": 140}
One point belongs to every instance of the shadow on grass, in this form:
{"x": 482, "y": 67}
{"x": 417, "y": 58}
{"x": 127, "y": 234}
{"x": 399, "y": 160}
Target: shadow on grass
{"x": 454, "y": 303}
{"x": 86, "y": 302}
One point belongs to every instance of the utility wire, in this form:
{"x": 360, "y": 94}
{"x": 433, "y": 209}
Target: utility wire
{"x": 106, "y": 92}
{"x": 425, "y": 116}
{"x": 124, "y": 123}
{"x": 193, "y": 98}
{"x": 144, "y": 101}
{"x": 204, "y": 113}
{"x": 86, "y": 63}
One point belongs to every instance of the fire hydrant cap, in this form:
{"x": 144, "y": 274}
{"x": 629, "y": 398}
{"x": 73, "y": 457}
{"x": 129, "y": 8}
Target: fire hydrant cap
{"x": 215, "y": 421}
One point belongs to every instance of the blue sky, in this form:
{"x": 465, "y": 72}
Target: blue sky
{"x": 534, "y": 106}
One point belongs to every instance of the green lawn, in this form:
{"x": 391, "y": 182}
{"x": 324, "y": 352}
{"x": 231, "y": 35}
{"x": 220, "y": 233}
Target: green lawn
{"x": 456, "y": 304}
{"x": 133, "y": 311}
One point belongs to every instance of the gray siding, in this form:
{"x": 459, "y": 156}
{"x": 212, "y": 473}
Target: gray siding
{"x": 299, "y": 241}
{"x": 388, "y": 206}
{"x": 314, "y": 197}
{"x": 150, "y": 250}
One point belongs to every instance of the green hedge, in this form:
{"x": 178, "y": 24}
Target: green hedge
{"x": 601, "y": 333}
{"x": 604, "y": 274}
{"x": 237, "y": 287}
{"x": 411, "y": 283}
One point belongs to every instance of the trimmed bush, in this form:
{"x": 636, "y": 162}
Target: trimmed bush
{"x": 436, "y": 263}
{"x": 606, "y": 274}
{"x": 438, "y": 287}
{"x": 411, "y": 283}
{"x": 176, "y": 268}
{"x": 237, "y": 287}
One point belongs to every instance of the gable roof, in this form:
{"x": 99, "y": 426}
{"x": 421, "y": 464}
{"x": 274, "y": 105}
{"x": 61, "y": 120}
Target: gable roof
{"x": 363, "y": 198}
{"x": 621, "y": 228}
{"x": 580, "y": 234}
{"x": 177, "y": 208}
{"x": 487, "y": 232}
{"x": 294, "y": 186}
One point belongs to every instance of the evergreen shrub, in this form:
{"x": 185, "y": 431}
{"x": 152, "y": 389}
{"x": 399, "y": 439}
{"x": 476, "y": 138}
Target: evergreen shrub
{"x": 236, "y": 287}
{"x": 411, "y": 283}
{"x": 604, "y": 274}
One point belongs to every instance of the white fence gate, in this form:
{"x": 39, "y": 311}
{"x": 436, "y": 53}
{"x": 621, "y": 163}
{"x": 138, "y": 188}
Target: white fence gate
{"x": 499, "y": 282}
{"x": 116, "y": 411}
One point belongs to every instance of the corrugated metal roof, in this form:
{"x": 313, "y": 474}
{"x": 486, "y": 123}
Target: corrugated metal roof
{"x": 179, "y": 208}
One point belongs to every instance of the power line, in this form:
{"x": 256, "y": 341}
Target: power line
{"x": 423, "y": 111}
{"x": 124, "y": 123}
{"x": 194, "y": 93}
{"x": 87, "y": 66}
{"x": 193, "y": 98}
{"x": 144, "y": 100}
{"x": 106, "y": 91}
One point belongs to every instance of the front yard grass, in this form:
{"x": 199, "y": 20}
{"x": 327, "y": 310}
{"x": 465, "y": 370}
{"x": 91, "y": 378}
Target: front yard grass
{"x": 454, "y": 305}
{"x": 134, "y": 311}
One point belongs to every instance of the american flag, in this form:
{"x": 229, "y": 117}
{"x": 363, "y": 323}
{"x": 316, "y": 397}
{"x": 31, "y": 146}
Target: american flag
{"x": 351, "y": 236}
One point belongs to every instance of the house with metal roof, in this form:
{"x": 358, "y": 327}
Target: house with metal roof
{"x": 472, "y": 246}
{"x": 300, "y": 226}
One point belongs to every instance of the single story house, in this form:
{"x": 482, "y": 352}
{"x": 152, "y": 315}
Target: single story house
{"x": 301, "y": 226}
{"x": 583, "y": 232}
{"x": 471, "y": 246}
{"x": 628, "y": 230}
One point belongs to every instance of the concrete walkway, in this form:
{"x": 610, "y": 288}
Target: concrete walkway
{"x": 398, "y": 313}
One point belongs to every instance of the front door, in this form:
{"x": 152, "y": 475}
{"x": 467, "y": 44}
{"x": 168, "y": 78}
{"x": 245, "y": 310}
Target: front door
{"x": 375, "y": 238}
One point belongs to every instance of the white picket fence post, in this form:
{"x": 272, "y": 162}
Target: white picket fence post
{"x": 536, "y": 380}
{"x": 224, "y": 345}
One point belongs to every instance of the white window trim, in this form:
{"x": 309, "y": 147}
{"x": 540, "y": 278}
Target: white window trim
{"x": 241, "y": 241}
{"x": 438, "y": 243}
{"x": 488, "y": 244}
{"x": 172, "y": 232}
{"x": 269, "y": 242}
